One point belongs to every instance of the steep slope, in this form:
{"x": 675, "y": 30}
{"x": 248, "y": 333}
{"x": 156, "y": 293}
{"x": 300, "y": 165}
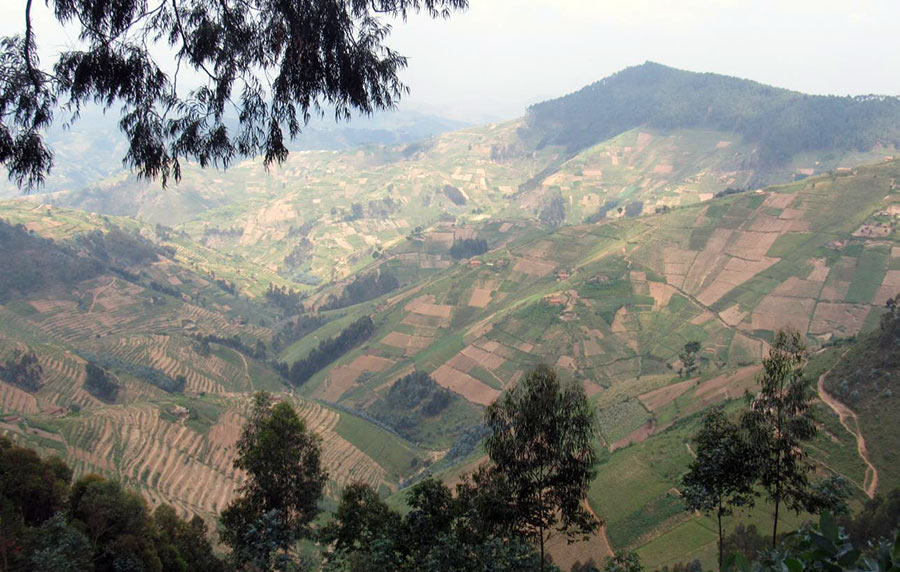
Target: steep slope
{"x": 185, "y": 351}
{"x": 779, "y": 122}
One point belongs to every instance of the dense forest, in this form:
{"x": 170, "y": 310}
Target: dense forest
{"x": 468, "y": 247}
{"x": 362, "y": 289}
{"x": 783, "y": 123}
{"x": 23, "y": 370}
{"x": 331, "y": 349}
{"x": 410, "y": 399}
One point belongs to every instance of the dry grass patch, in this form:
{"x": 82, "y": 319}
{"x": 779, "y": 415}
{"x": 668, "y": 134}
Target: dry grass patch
{"x": 846, "y": 319}
{"x": 779, "y": 312}
{"x": 736, "y": 272}
{"x": 534, "y": 267}
{"x": 798, "y": 288}
{"x": 465, "y": 385}
{"x": 480, "y": 298}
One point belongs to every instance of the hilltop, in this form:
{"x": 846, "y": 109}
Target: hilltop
{"x": 780, "y": 123}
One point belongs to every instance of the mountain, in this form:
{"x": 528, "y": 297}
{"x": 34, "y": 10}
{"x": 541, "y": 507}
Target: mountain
{"x": 391, "y": 292}
{"x": 781, "y": 123}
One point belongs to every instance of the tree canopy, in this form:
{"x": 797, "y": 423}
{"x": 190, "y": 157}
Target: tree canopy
{"x": 267, "y": 66}
{"x": 543, "y": 457}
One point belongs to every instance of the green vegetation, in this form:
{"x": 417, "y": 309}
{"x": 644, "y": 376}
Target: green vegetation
{"x": 781, "y": 122}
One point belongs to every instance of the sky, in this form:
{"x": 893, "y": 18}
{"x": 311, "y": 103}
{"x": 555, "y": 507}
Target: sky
{"x": 491, "y": 61}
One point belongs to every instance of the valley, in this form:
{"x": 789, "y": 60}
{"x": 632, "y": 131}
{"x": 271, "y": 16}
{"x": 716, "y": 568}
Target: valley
{"x": 493, "y": 249}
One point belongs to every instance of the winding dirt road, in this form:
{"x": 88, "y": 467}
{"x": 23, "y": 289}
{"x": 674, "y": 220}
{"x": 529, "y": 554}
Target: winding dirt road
{"x": 846, "y": 415}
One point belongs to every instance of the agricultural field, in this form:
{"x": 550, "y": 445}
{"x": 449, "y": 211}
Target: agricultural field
{"x": 610, "y": 301}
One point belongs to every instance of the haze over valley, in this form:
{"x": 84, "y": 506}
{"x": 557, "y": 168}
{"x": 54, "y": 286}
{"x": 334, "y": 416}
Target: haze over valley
{"x": 391, "y": 279}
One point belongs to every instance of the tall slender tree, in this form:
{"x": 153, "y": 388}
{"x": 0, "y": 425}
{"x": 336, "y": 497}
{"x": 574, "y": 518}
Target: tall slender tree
{"x": 284, "y": 483}
{"x": 540, "y": 445}
{"x": 722, "y": 474}
{"x": 778, "y": 422}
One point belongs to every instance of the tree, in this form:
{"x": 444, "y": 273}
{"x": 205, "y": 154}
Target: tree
{"x": 116, "y": 523}
{"x": 688, "y": 357}
{"x": 540, "y": 444}
{"x": 284, "y": 483}
{"x": 722, "y": 475}
{"x": 267, "y": 66}
{"x": 778, "y": 422}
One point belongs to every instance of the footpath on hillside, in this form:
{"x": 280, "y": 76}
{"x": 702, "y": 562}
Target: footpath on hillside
{"x": 845, "y": 414}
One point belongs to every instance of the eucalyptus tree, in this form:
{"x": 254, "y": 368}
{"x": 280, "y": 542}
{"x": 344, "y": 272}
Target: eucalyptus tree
{"x": 779, "y": 421}
{"x": 541, "y": 450}
{"x": 722, "y": 474}
{"x": 265, "y": 66}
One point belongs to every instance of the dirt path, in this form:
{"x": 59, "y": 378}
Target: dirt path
{"x": 246, "y": 370}
{"x": 100, "y": 291}
{"x": 845, "y": 414}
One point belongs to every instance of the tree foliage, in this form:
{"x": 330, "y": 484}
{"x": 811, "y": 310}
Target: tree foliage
{"x": 100, "y": 383}
{"x": 722, "y": 474}
{"x": 22, "y": 369}
{"x": 779, "y": 421}
{"x": 331, "y": 349}
{"x": 285, "y": 480}
{"x": 266, "y": 65}
{"x": 540, "y": 447}
{"x": 436, "y": 535}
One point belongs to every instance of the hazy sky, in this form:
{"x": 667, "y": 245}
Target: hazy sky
{"x": 500, "y": 55}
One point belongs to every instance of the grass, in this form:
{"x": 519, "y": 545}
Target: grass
{"x": 393, "y": 454}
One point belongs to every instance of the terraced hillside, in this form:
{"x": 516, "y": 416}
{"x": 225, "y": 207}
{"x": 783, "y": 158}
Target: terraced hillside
{"x": 612, "y": 304}
{"x": 322, "y": 215}
{"x": 150, "y": 325}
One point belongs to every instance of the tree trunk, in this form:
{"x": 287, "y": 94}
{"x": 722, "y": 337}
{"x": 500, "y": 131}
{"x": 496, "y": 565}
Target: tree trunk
{"x": 775, "y": 525}
{"x": 541, "y": 540}
{"x": 719, "y": 515}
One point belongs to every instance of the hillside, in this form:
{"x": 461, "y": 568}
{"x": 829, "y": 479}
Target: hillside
{"x": 781, "y": 123}
{"x": 392, "y": 292}
{"x": 151, "y": 323}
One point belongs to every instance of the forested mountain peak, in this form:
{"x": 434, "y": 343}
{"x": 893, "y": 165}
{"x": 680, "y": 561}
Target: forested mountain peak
{"x": 781, "y": 122}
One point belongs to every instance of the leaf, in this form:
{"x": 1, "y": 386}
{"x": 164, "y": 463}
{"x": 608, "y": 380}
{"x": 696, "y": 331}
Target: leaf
{"x": 849, "y": 558}
{"x": 829, "y": 527}
{"x": 793, "y": 564}
{"x": 823, "y": 544}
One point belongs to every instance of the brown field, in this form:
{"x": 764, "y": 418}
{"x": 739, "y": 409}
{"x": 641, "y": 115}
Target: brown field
{"x": 657, "y": 398}
{"x": 425, "y": 306}
{"x": 779, "y": 200}
{"x": 820, "y": 271}
{"x": 442, "y": 238}
{"x": 636, "y": 436}
{"x": 566, "y": 362}
{"x": 661, "y": 293}
{"x": 411, "y": 344}
{"x": 676, "y": 263}
{"x": 465, "y": 385}
{"x": 736, "y": 272}
{"x": 14, "y": 399}
{"x": 750, "y": 245}
{"x": 844, "y": 319}
{"x": 534, "y": 267}
{"x": 663, "y": 169}
{"x": 778, "y": 312}
{"x": 728, "y": 385}
{"x": 797, "y": 288}
{"x": 480, "y": 298}
{"x": 591, "y": 348}
{"x": 505, "y": 227}
{"x": 835, "y": 290}
{"x": 483, "y": 357}
{"x": 343, "y": 378}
